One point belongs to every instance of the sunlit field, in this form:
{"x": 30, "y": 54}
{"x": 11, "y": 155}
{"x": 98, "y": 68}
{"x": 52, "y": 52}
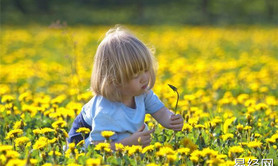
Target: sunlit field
{"x": 227, "y": 79}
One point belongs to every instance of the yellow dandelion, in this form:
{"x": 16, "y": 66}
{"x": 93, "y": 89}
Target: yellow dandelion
{"x": 199, "y": 126}
{"x": 209, "y": 152}
{"x": 214, "y": 161}
{"x": 26, "y": 96}
{"x": 227, "y": 136}
{"x": 4, "y": 148}
{"x": 34, "y": 161}
{"x": 16, "y": 162}
{"x": 275, "y": 136}
{"x": 270, "y": 100}
{"x": 41, "y": 143}
{"x": 7, "y": 99}
{"x": 239, "y": 127}
{"x": 83, "y": 130}
{"x": 166, "y": 150}
{"x": 14, "y": 133}
{"x": 234, "y": 150}
{"x": 171, "y": 158}
{"x": 51, "y": 153}
{"x": 247, "y": 128}
{"x": 242, "y": 98}
{"x": 134, "y": 149}
{"x": 195, "y": 156}
{"x": 222, "y": 156}
{"x": 227, "y": 124}
{"x": 58, "y": 99}
{"x": 81, "y": 143}
{"x": 47, "y": 130}
{"x": 257, "y": 135}
{"x": 103, "y": 146}
{"x": 270, "y": 140}
{"x": 119, "y": 147}
{"x": 194, "y": 159}
{"x": 151, "y": 125}
{"x": 261, "y": 106}
{"x": 183, "y": 151}
{"x": 217, "y": 120}
{"x": 21, "y": 141}
{"x": 159, "y": 154}
{"x": 71, "y": 146}
{"x": 59, "y": 124}
{"x": 93, "y": 162}
{"x": 263, "y": 89}
{"x": 12, "y": 154}
{"x": 157, "y": 145}
{"x": 243, "y": 144}
{"x": 3, "y": 159}
{"x": 189, "y": 97}
{"x": 37, "y": 131}
{"x": 227, "y": 163}
{"x": 187, "y": 127}
{"x": 52, "y": 141}
{"x": 254, "y": 144}
{"x": 151, "y": 164}
{"x": 74, "y": 164}
{"x": 250, "y": 110}
{"x": 250, "y": 102}
{"x": 19, "y": 124}
{"x": 107, "y": 134}
{"x": 148, "y": 149}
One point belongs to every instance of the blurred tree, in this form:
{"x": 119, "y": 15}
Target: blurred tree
{"x": 43, "y": 5}
{"x": 19, "y": 4}
{"x": 270, "y": 4}
{"x": 141, "y": 11}
{"x": 205, "y": 12}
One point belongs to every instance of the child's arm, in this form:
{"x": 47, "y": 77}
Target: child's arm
{"x": 168, "y": 119}
{"x": 140, "y": 137}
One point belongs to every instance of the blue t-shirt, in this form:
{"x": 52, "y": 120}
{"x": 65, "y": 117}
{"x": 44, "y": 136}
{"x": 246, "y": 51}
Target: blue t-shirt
{"x": 104, "y": 115}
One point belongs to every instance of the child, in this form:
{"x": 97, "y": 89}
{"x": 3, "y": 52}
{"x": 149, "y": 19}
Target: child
{"x": 122, "y": 78}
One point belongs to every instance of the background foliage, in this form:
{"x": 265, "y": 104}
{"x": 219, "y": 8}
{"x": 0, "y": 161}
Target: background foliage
{"x": 208, "y": 12}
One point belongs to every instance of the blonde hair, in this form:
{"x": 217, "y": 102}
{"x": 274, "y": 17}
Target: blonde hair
{"x": 118, "y": 58}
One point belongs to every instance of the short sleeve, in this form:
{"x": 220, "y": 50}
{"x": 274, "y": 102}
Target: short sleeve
{"x": 103, "y": 122}
{"x": 152, "y": 102}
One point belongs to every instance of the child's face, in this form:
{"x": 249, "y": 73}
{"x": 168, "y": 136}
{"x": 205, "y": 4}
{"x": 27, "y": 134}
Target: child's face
{"x": 137, "y": 85}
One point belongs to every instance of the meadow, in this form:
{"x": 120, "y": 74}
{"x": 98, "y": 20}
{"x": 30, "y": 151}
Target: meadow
{"x": 227, "y": 79}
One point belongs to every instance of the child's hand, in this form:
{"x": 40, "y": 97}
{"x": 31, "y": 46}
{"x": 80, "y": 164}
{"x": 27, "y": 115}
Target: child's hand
{"x": 176, "y": 122}
{"x": 142, "y": 137}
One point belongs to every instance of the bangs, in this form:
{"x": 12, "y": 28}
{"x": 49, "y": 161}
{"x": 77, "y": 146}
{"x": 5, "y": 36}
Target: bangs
{"x": 135, "y": 57}
{"x": 137, "y": 62}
